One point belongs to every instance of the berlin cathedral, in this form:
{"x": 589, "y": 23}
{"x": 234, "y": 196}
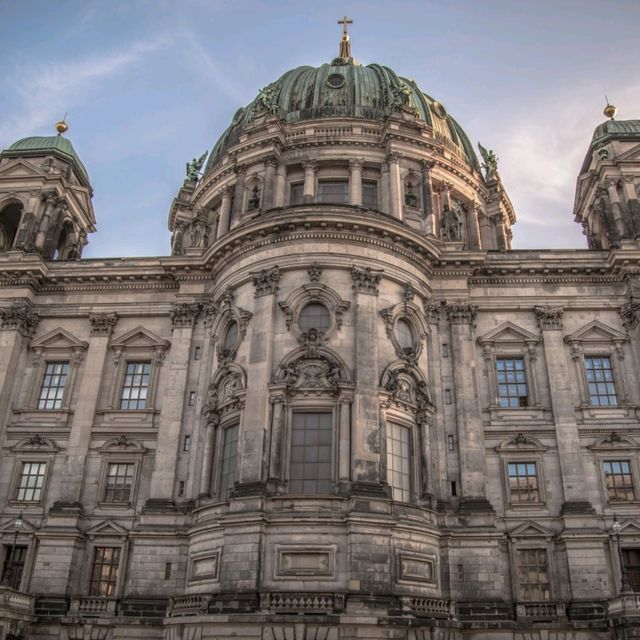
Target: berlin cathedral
{"x": 340, "y": 407}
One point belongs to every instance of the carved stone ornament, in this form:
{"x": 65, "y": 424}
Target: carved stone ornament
{"x": 314, "y": 272}
{"x": 461, "y": 312}
{"x": 432, "y": 311}
{"x": 225, "y": 393}
{"x": 630, "y": 314}
{"x": 409, "y": 292}
{"x": 407, "y": 388}
{"x": 102, "y": 324}
{"x": 20, "y": 317}
{"x": 549, "y": 318}
{"x": 209, "y": 311}
{"x": 184, "y": 314}
{"x": 366, "y": 280}
{"x": 266, "y": 281}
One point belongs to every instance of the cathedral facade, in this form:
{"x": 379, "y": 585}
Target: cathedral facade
{"x": 341, "y": 407}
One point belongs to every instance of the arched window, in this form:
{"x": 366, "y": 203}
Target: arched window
{"x": 404, "y": 334}
{"x": 314, "y": 316}
{"x": 9, "y": 222}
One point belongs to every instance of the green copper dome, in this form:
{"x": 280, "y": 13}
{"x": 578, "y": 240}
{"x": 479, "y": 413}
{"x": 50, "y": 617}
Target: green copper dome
{"x": 616, "y": 130}
{"x": 345, "y": 90}
{"x": 47, "y": 145}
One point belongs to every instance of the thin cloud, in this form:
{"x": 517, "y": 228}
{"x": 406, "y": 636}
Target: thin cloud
{"x": 47, "y": 91}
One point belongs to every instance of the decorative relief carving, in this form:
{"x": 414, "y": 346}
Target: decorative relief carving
{"x": 184, "y": 314}
{"x": 366, "y": 280}
{"x": 102, "y": 324}
{"x": 461, "y": 312}
{"x": 20, "y": 317}
{"x": 549, "y": 318}
{"x": 226, "y": 393}
{"x": 266, "y": 281}
{"x": 409, "y": 292}
{"x": 209, "y": 311}
{"x": 630, "y": 314}
{"x": 407, "y": 387}
{"x": 314, "y": 272}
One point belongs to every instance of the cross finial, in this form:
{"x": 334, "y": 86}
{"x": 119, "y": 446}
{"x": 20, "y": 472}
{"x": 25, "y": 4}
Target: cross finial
{"x": 344, "y": 22}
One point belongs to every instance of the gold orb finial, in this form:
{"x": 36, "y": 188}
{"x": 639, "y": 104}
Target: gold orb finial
{"x": 62, "y": 126}
{"x": 609, "y": 110}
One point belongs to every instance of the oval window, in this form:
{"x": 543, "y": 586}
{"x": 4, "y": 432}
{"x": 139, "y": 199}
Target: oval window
{"x": 404, "y": 334}
{"x": 335, "y": 80}
{"x": 314, "y": 316}
{"x": 231, "y": 336}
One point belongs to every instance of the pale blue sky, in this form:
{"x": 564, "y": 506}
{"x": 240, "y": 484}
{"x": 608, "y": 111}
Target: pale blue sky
{"x": 150, "y": 84}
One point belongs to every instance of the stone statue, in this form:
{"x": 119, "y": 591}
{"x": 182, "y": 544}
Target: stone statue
{"x": 194, "y": 167}
{"x": 490, "y": 161}
{"x": 401, "y": 97}
{"x": 451, "y": 226}
{"x": 198, "y": 232}
{"x": 410, "y": 197}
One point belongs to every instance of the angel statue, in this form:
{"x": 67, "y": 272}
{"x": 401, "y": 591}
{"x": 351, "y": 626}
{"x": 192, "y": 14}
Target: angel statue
{"x": 490, "y": 164}
{"x": 193, "y": 167}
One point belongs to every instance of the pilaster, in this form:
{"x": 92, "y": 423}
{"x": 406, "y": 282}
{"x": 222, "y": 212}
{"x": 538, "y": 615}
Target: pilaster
{"x": 355, "y": 183}
{"x": 225, "y": 212}
{"x": 309, "y": 188}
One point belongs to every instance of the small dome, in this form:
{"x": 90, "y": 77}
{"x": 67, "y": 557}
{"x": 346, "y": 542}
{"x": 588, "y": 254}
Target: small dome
{"x": 344, "y": 90}
{"x": 616, "y": 129}
{"x": 47, "y": 145}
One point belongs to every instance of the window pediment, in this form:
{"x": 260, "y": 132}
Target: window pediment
{"x": 107, "y": 528}
{"x": 531, "y": 529}
{"x": 226, "y": 315}
{"x": 35, "y": 443}
{"x": 615, "y": 442}
{"x": 122, "y": 445}
{"x": 406, "y": 386}
{"x": 226, "y": 392}
{"x": 509, "y": 333}
{"x": 520, "y": 443}
{"x": 596, "y": 333}
{"x": 140, "y": 338}
{"x": 59, "y": 339}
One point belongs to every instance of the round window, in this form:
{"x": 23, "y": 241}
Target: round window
{"x": 439, "y": 109}
{"x": 335, "y": 80}
{"x": 314, "y": 316}
{"x": 231, "y": 336}
{"x": 404, "y": 334}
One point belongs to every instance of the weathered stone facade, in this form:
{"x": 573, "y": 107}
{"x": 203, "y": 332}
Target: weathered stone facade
{"x": 342, "y": 408}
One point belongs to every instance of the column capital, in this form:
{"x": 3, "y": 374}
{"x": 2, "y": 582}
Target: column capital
{"x": 629, "y": 179}
{"x": 549, "y": 318}
{"x": 611, "y": 182}
{"x": 102, "y": 324}
{"x": 461, "y": 312}
{"x": 184, "y": 314}
{"x": 310, "y": 165}
{"x": 393, "y": 157}
{"x": 227, "y": 191}
{"x": 20, "y": 317}
{"x": 427, "y": 165}
{"x": 266, "y": 281}
{"x": 271, "y": 161}
{"x": 240, "y": 169}
{"x": 356, "y": 164}
{"x": 366, "y": 280}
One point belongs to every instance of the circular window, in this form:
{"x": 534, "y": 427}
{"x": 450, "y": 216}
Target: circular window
{"x": 335, "y": 80}
{"x": 314, "y": 316}
{"x": 404, "y": 334}
{"x": 231, "y": 336}
{"x": 439, "y": 109}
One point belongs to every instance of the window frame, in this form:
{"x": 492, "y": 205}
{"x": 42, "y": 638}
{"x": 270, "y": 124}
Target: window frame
{"x": 336, "y": 180}
{"x": 376, "y": 184}
{"x": 147, "y": 387}
{"x": 614, "y": 376}
{"x": 20, "y": 462}
{"x": 297, "y": 183}
{"x": 511, "y": 358}
{"x": 65, "y": 387}
{"x": 615, "y": 456}
{"x": 409, "y": 428}
{"x": 120, "y": 450}
{"x": 222, "y": 435}
{"x": 34, "y": 449}
{"x": 520, "y": 548}
{"x": 524, "y": 459}
{"x": 106, "y": 544}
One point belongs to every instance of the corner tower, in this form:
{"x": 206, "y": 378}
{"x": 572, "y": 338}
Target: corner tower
{"x": 45, "y": 198}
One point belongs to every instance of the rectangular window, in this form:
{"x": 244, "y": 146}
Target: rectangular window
{"x": 104, "y": 571}
{"x": 398, "y": 462}
{"x": 631, "y": 563}
{"x": 13, "y": 565}
{"x": 31, "y": 481}
{"x": 53, "y": 384}
{"x": 512, "y": 383}
{"x": 333, "y": 191}
{"x": 228, "y": 462}
{"x": 135, "y": 386}
{"x": 617, "y": 474}
{"x": 310, "y": 470}
{"x": 523, "y": 482}
{"x": 370, "y": 194}
{"x": 119, "y": 482}
{"x": 533, "y": 574}
{"x": 297, "y": 193}
{"x": 602, "y": 390}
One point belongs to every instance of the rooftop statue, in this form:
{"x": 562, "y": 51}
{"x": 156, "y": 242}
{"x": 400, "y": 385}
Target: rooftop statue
{"x": 490, "y": 161}
{"x": 193, "y": 167}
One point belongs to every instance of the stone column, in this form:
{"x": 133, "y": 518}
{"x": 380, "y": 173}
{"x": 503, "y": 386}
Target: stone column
{"x": 355, "y": 184}
{"x": 25, "y": 234}
{"x": 632, "y": 202}
{"x": 281, "y": 181}
{"x": 344, "y": 441}
{"x": 471, "y": 449}
{"x": 270, "y": 165}
{"x": 611, "y": 185}
{"x": 17, "y": 324}
{"x": 225, "y": 212}
{"x": 51, "y": 200}
{"x": 309, "y": 189}
{"x": 487, "y": 236}
{"x": 427, "y": 199}
{"x": 501, "y": 235}
{"x": 385, "y": 201}
{"x": 365, "y": 450}
{"x": 474, "y": 226}
{"x": 211, "y": 425}
{"x": 102, "y": 325}
{"x": 252, "y": 440}
{"x": 562, "y": 402}
{"x": 183, "y": 318}
{"x": 275, "y": 450}
{"x": 238, "y": 195}
{"x": 395, "y": 188}
{"x": 424, "y": 420}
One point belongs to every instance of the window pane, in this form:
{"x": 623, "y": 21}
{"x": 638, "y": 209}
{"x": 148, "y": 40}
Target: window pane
{"x": 228, "y": 462}
{"x": 618, "y": 480}
{"x": 53, "y": 384}
{"x": 602, "y": 391}
{"x": 523, "y": 482}
{"x": 370, "y": 194}
{"x": 398, "y": 467}
{"x": 512, "y": 383}
{"x": 13, "y": 565}
{"x": 104, "y": 572}
{"x": 134, "y": 388}
{"x": 297, "y": 191}
{"x": 404, "y": 334}
{"x": 314, "y": 316}
{"x": 333, "y": 191}
{"x": 231, "y": 336}
{"x": 533, "y": 575}
{"x": 31, "y": 481}
{"x": 311, "y": 449}
{"x": 118, "y": 483}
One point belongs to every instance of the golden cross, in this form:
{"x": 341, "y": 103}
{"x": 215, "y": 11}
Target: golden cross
{"x": 344, "y": 22}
